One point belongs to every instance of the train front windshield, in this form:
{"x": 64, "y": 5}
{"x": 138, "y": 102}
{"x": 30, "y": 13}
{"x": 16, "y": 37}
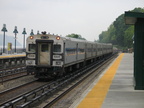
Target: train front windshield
{"x": 57, "y": 48}
{"x": 32, "y": 47}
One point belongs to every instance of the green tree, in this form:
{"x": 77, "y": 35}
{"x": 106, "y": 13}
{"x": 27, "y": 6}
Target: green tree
{"x": 102, "y": 36}
{"x": 119, "y": 33}
{"x": 108, "y": 36}
{"x": 120, "y": 27}
{"x": 75, "y": 36}
{"x": 128, "y": 41}
{"x": 138, "y": 10}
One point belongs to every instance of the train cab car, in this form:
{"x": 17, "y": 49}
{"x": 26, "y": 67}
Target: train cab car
{"x": 44, "y": 53}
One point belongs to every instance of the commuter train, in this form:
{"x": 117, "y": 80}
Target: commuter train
{"x": 50, "y": 55}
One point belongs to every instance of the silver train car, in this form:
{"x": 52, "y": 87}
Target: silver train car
{"x": 50, "y": 55}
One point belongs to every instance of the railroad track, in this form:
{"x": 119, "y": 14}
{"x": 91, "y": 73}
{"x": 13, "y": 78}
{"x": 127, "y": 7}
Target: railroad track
{"x": 15, "y": 92}
{"x": 59, "y": 87}
{"x": 12, "y": 73}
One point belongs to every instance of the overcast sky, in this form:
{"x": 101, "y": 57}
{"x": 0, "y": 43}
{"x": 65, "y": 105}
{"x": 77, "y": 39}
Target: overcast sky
{"x": 85, "y": 17}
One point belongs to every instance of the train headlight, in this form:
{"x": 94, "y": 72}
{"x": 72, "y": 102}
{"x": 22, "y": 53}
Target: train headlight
{"x": 58, "y": 38}
{"x": 31, "y": 37}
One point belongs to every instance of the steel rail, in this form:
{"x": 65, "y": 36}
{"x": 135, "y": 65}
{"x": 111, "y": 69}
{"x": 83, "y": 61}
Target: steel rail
{"x": 11, "y": 71}
{"x": 4, "y": 74}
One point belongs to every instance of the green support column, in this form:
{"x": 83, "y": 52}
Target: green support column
{"x": 139, "y": 54}
{"x": 137, "y": 19}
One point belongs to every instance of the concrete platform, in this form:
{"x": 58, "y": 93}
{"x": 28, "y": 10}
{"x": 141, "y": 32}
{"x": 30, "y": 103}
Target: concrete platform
{"x": 116, "y": 92}
{"x": 121, "y": 93}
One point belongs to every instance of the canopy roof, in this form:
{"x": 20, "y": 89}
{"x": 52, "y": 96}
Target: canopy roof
{"x": 131, "y": 17}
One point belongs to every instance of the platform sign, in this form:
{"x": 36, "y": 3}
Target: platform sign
{"x": 9, "y": 48}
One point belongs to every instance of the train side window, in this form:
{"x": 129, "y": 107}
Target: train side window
{"x": 32, "y": 47}
{"x": 57, "y": 48}
{"x": 44, "y": 48}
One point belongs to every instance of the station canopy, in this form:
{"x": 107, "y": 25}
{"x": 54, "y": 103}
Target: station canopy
{"x": 131, "y": 17}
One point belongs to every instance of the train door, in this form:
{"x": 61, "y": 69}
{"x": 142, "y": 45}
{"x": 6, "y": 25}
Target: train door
{"x": 44, "y": 53}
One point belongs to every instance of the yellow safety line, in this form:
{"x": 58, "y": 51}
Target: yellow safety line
{"x": 9, "y": 56}
{"x": 96, "y": 96}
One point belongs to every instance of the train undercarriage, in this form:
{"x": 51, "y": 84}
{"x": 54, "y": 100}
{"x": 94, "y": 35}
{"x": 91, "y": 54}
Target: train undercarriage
{"x": 43, "y": 72}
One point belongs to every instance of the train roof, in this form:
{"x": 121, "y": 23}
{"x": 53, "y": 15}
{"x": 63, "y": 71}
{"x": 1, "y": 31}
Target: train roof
{"x": 70, "y": 39}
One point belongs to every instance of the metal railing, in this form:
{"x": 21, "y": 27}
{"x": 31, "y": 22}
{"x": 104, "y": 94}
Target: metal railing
{"x": 18, "y": 50}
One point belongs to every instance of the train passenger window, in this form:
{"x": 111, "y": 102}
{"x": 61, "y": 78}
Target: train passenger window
{"x": 32, "y": 47}
{"x": 57, "y": 48}
{"x": 44, "y": 48}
